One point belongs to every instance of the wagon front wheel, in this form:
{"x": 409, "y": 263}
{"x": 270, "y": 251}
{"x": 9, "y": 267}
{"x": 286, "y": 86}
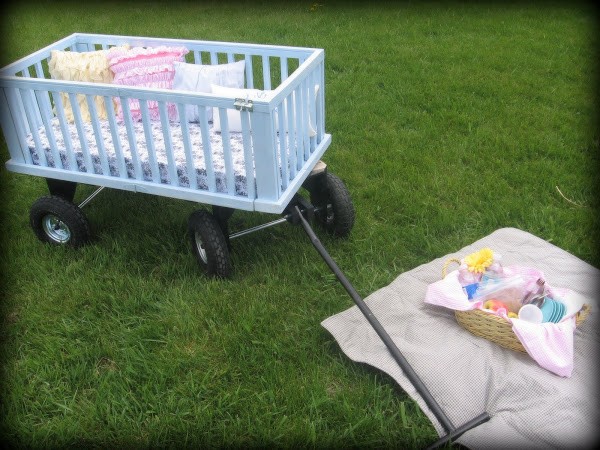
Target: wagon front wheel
{"x": 59, "y": 222}
{"x": 335, "y": 209}
{"x": 209, "y": 244}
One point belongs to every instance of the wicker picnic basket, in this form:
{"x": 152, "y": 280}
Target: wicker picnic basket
{"x": 495, "y": 328}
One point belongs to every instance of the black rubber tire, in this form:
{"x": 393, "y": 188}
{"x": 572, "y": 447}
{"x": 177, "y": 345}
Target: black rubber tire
{"x": 337, "y": 214}
{"x": 58, "y": 221}
{"x": 209, "y": 244}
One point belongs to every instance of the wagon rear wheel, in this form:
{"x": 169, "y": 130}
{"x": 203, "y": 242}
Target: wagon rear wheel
{"x": 335, "y": 209}
{"x": 59, "y": 222}
{"x": 209, "y": 244}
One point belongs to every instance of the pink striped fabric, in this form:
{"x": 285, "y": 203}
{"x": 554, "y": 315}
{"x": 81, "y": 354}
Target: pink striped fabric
{"x": 150, "y": 67}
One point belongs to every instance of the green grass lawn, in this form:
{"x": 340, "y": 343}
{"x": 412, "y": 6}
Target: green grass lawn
{"x": 449, "y": 120}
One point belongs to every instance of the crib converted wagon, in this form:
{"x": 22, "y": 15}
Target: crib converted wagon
{"x": 234, "y": 126}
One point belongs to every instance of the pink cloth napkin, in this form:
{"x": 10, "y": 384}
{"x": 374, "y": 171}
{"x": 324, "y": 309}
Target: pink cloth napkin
{"x": 549, "y": 344}
{"x": 449, "y": 293}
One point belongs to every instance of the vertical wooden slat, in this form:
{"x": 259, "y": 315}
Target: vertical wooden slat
{"x": 305, "y": 118}
{"x": 266, "y": 170}
{"x": 226, "y": 140}
{"x": 112, "y": 121}
{"x": 187, "y": 146}
{"x": 297, "y": 104}
{"x": 31, "y": 118}
{"x": 18, "y": 106}
{"x": 39, "y": 71}
{"x": 15, "y": 103}
{"x": 46, "y": 120}
{"x": 206, "y": 147}
{"x": 152, "y": 161}
{"x": 249, "y": 72}
{"x": 248, "y": 155}
{"x": 266, "y": 73}
{"x": 42, "y": 96}
{"x": 284, "y": 68}
{"x": 321, "y": 99}
{"x": 36, "y": 119}
{"x": 312, "y": 108}
{"x": 164, "y": 121}
{"x": 271, "y": 130}
{"x": 21, "y": 110}
{"x": 98, "y": 134}
{"x": 283, "y": 154}
{"x": 137, "y": 169}
{"x": 291, "y": 134}
{"x": 19, "y": 98}
{"x": 64, "y": 128}
{"x": 8, "y": 125}
{"x": 87, "y": 158}
{"x": 275, "y": 75}
{"x": 83, "y": 47}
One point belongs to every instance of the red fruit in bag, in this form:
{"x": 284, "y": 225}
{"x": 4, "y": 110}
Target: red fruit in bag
{"x": 494, "y": 305}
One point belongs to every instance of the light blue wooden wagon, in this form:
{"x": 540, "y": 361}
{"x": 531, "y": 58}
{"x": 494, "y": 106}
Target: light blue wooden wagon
{"x": 260, "y": 168}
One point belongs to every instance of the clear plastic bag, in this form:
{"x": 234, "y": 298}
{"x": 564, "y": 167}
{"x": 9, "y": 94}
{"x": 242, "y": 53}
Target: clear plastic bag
{"x": 508, "y": 290}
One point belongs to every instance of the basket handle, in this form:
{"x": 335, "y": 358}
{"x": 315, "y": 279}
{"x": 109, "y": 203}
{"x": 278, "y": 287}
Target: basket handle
{"x": 582, "y": 314}
{"x": 447, "y": 263}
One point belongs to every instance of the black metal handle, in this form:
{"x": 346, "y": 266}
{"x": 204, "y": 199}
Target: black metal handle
{"x": 452, "y": 431}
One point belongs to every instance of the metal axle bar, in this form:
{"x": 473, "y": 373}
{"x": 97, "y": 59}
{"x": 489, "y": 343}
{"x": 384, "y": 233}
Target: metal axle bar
{"x": 285, "y": 218}
{"x": 259, "y": 227}
{"x": 435, "y": 408}
{"x": 92, "y": 195}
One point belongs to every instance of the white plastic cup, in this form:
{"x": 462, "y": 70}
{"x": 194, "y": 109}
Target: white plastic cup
{"x": 531, "y": 313}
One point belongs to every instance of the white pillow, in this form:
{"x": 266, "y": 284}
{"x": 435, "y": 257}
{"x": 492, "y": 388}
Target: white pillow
{"x": 234, "y": 118}
{"x": 198, "y": 78}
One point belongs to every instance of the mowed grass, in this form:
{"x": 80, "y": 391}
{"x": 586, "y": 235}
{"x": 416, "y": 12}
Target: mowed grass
{"x": 449, "y": 121}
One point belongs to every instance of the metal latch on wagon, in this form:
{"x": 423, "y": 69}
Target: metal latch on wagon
{"x": 243, "y": 104}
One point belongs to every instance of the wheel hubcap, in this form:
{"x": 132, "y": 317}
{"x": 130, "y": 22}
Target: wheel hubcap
{"x": 200, "y": 248}
{"x": 326, "y": 214}
{"x": 329, "y": 214}
{"x": 56, "y": 229}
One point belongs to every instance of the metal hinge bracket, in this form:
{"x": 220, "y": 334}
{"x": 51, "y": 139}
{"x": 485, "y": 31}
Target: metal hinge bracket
{"x": 243, "y": 104}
